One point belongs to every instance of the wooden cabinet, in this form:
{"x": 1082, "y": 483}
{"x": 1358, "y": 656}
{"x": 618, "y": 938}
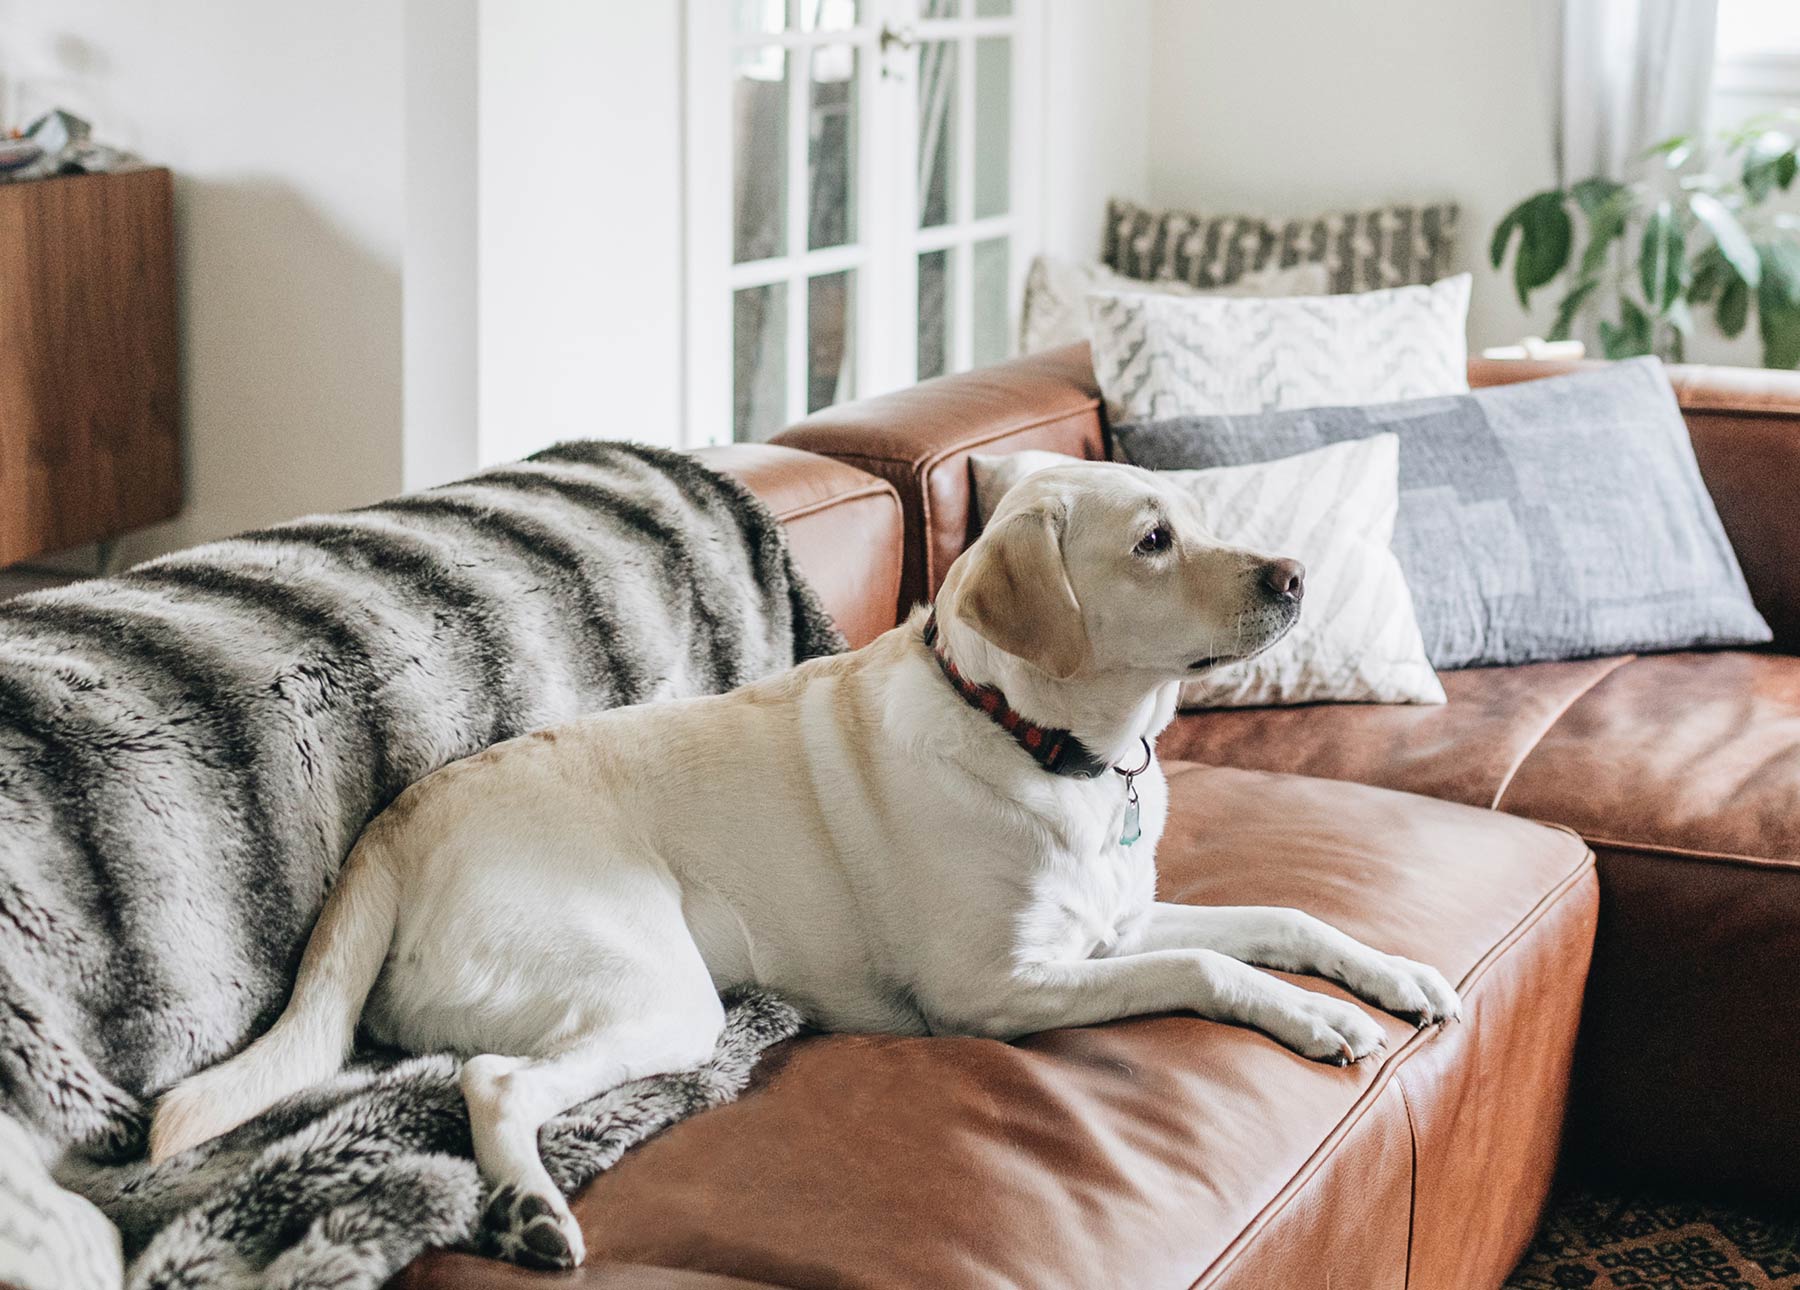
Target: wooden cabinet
{"x": 90, "y": 393}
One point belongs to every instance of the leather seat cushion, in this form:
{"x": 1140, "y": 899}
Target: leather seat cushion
{"x": 1691, "y": 752}
{"x": 1465, "y": 750}
{"x": 1164, "y": 1151}
{"x": 1684, "y": 771}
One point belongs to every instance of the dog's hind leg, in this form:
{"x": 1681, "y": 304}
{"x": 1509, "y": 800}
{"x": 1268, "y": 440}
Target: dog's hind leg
{"x": 510, "y": 1098}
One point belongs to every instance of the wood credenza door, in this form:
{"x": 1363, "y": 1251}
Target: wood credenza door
{"x": 90, "y": 391}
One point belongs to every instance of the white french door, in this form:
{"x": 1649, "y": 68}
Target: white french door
{"x": 858, "y": 190}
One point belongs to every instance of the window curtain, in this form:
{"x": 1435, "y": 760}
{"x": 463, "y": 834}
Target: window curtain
{"x": 1634, "y": 72}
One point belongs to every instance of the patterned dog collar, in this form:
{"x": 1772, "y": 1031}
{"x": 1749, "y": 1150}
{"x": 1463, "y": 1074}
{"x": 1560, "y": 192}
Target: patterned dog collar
{"x": 1057, "y": 751}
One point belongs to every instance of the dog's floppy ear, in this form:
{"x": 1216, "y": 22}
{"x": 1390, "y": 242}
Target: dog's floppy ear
{"x": 1017, "y": 594}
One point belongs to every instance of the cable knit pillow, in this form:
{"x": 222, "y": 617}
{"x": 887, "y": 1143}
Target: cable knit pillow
{"x": 1333, "y": 510}
{"x": 1056, "y": 292}
{"x": 1163, "y": 356}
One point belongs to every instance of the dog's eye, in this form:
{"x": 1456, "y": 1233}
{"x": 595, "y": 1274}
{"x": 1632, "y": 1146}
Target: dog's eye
{"x": 1155, "y": 541}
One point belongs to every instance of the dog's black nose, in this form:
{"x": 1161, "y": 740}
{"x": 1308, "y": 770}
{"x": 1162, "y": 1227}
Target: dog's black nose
{"x": 1284, "y": 579}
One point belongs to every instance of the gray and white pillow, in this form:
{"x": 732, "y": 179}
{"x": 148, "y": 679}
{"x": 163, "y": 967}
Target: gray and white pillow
{"x": 1390, "y": 246}
{"x": 1056, "y": 291}
{"x": 1333, "y": 510}
{"x": 1551, "y": 519}
{"x": 1165, "y": 356}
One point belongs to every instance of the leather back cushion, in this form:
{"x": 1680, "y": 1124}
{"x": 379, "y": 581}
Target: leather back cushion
{"x": 843, "y": 525}
{"x": 919, "y": 440}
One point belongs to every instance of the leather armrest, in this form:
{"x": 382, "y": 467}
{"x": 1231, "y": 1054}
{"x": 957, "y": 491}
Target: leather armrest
{"x": 1745, "y": 425}
{"x": 919, "y": 440}
{"x": 843, "y": 525}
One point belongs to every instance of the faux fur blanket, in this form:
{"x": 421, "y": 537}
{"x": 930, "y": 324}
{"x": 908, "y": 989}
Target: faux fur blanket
{"x": 188, "y": 751}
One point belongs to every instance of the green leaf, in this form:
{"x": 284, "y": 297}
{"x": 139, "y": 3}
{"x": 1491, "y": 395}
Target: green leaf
{"x": 1660, "y": 260}
{"x": 1513, "y": 219}
{"x": 1674, "y": 150}
{"x": 1570, "y": 308}
{"x": 1734, "y": 308}
{"x": 1546, "y": 236}
{"x": 1778, "y": 303}
{"x": 1733, "y": 243}
{"x": 1591, "y": 194}
{"x": 1681, "y": 318}
{"x": 1769, "y": 157}
{"x": 1711, "y": 274}
{"x": 1630, "y": 336}
{"x": 1606, "y": 225}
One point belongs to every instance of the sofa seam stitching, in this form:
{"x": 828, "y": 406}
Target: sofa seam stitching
{"x": 1412, "y": 1214}
{"x": 1562, "y": 711}
{"x": 1390, "y": 1073}
{"x": 880, "y": 488}
{"x": 1684, "y": 853}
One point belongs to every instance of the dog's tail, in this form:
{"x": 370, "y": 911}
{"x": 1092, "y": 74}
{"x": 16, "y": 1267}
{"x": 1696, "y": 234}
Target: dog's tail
{"x": 315, "y": 1032}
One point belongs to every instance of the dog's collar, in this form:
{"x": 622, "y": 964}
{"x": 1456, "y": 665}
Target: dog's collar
{"x": 1057, "y": 751}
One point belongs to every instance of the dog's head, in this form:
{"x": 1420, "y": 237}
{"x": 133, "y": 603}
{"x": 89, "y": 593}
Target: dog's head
{"x": 1095, "y": 568}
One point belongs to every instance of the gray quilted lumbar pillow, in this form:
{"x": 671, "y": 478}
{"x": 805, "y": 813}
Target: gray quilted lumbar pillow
{"x": 1550, "y": 519}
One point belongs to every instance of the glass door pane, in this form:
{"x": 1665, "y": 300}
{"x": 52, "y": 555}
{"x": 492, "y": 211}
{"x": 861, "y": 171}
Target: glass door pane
{"x": 937, "y": 132}
{"x": 759, "y": 154}
{"x": 759, "y": 362}
{"x": 993, "y": 301}
{"x": 831, "y": 147}
{"x": 993, "y": 126}
{"x": 830, "y": 339}
{"x": 759, "y": 17}
{"x": 936, "y": 303}
{"x": 827, "y": 15}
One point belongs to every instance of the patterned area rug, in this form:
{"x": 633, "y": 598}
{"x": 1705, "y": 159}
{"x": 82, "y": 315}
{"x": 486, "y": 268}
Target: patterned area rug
{"x": 1599, "y": 1241}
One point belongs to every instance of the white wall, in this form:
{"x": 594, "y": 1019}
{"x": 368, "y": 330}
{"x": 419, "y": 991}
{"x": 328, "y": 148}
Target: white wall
{"x": 1312, "y": 105}
{"x": 439, "y": 286}
{"x": 1096, "y": 137}
{"x": 282, "y": 124}
{"x": 580, "y": 235}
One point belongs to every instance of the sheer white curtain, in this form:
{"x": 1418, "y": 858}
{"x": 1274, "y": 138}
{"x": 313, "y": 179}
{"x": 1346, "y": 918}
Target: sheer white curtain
{"x": 1634, "y": 72}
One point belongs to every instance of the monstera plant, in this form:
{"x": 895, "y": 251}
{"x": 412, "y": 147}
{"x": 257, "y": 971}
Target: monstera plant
{"x": 1704, "y": 233}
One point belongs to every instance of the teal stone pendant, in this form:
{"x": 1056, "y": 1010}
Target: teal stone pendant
{"x": 1131, "y": 832}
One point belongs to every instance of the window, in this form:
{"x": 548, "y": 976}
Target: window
{"x": 1757, "y": 59}
{"x": 854, "y": 183}
{"x": 1756, "y": 28}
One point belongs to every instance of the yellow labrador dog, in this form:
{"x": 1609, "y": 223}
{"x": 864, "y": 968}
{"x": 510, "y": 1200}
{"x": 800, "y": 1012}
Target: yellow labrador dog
{"x": 950, "y": 831}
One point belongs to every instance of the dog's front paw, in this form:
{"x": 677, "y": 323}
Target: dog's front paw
{"x": 531, "y": 1229}
{"x": 1414, "y": 992}
{"x": 1325, "y": 1029}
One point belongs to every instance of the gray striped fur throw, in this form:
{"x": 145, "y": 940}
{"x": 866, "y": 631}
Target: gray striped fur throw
{"x": 187, "y": 751}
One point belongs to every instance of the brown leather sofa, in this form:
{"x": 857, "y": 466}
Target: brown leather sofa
{"x": 1171, "y": 1152}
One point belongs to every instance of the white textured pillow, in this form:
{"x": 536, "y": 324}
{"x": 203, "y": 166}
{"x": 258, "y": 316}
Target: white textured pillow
{"x": 1164, "y": 356}
{"x": 1056, "y": 291}
{"x": 1332, "y": 509}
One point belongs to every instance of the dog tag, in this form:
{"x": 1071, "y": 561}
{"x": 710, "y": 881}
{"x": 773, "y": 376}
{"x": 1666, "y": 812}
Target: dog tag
{"x": 1131, "y": 832}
